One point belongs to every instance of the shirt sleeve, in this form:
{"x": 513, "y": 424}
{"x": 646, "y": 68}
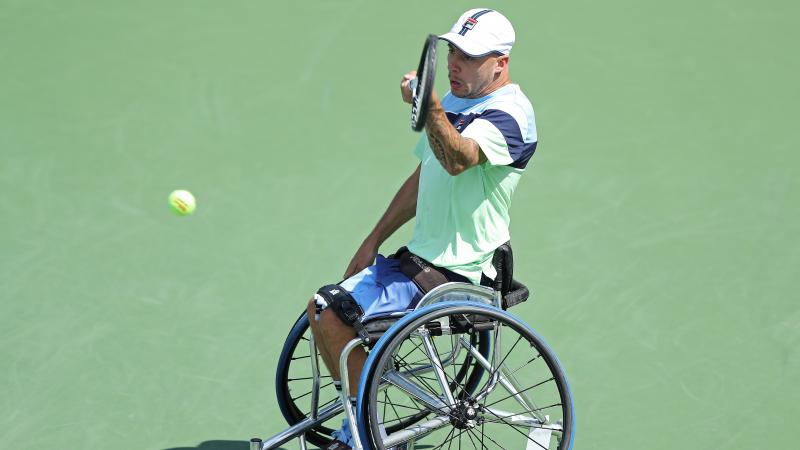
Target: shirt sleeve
{"x": 419, "y": 150}
{"x": 500, "y": 138}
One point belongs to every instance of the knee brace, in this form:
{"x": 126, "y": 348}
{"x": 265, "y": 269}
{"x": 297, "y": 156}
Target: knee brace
{"x": 343, "y": 304}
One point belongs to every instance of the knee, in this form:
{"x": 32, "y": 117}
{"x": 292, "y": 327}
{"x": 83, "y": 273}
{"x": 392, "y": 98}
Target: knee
{"x": 316, "y": 315}
{"x": 333, "y": 308}
{"x": 329, "y": 319}
{"x": 316, "y": 309}
{"x": 320, "y": 315}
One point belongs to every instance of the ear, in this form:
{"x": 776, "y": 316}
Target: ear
{"x": 502, "y": 63}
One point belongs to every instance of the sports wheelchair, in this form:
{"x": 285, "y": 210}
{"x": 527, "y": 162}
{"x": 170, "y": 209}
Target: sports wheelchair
{"x": 458, "y": 371}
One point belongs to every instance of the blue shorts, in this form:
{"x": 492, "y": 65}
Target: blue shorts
{"x": 382, "y": 289}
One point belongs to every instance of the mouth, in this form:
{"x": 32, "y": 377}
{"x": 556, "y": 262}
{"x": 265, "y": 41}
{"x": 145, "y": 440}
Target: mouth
{"x": 454, "y": 84}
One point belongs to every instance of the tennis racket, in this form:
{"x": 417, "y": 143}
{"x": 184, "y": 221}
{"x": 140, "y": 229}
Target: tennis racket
{"x": 422, "y": 86}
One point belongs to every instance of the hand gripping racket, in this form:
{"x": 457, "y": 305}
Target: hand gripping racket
{"x": 422, "y": 86}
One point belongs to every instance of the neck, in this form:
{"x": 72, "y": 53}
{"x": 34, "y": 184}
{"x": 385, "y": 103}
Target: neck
{"x": 494, "y": 85}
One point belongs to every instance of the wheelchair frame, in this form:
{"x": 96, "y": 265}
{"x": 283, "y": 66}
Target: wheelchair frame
{"x": 450, "y": 294}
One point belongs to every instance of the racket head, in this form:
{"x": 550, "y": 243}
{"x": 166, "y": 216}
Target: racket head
{"x": 426, "y": 74}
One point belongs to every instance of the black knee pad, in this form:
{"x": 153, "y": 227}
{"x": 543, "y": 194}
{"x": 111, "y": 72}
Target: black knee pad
{"x": 344, "y": 305}
{"x": 340, "y": 301}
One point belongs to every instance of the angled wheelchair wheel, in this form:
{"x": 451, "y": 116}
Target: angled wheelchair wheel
{"x": 521, "y": 399}
{"x": 294, "y": 383}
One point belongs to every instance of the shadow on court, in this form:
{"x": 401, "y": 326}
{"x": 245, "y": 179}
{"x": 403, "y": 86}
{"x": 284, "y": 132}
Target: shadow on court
{"x": 219, "y": 445}
{"x": 243, "y": 445}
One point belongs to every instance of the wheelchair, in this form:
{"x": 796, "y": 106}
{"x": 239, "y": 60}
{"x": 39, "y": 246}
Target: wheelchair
{"x": 458, "y": 371}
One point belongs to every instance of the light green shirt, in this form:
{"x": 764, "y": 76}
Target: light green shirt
{"x": 462, "y": 219}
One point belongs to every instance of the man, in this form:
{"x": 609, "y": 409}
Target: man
{"x": 478, "y": 140}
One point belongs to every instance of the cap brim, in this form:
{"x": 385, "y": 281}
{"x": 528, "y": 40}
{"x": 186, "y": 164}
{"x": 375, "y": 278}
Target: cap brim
{"x": 467, "y": 46}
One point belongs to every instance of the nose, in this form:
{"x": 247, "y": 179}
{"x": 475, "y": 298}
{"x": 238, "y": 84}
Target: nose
{"x": 452, "y": 66}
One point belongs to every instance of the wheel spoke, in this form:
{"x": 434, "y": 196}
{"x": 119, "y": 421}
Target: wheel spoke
{"x": 469, "y": 435}
{"x": 489, "y": 438}
{"x": 394, "y": 409}
{"x": 429, "y": 388}
{"x": 501, "y": 418}
{"x": 520, "y": 392}
{"x": 497, "y": 368}
{"x": 446, "y": 439}
{"x": 451, "y": 382}
{"x": 402, "y": 418}
{"x": 431, "y": 402}
{"x": 309, "y": 392}
{"x": 526, "y": 364}
{"x": 307, "y": 378}
{"x": 524, "y": 434}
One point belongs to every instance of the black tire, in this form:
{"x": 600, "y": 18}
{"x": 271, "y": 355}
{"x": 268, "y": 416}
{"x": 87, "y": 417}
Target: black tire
{"x": 482, "y": 419}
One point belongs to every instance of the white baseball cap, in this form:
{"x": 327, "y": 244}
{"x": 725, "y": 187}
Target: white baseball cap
{"x": 481, "y": 31}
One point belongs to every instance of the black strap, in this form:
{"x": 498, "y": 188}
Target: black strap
{"x": 346, "y": 308}
{"x": 424, "y": 274}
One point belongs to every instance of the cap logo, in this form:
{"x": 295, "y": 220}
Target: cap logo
{"x": 472, "y": 21}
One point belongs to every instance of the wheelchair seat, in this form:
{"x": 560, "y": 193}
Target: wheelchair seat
{"x": 513, "y": 292}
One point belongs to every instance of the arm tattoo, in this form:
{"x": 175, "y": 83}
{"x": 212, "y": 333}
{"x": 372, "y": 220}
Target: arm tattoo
{"x": 454, "y": 152}
{"x": 438, "y": 149}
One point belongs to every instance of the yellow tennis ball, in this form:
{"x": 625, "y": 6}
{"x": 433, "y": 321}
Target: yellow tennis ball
{"x": 182, "y": 202}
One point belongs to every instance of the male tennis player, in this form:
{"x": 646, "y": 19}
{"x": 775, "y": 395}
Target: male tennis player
{"x": 478, "y": 140}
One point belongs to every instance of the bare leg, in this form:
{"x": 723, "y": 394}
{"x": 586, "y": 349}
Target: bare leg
{"x": 332, "y": 335}
{"x": 311, "y": 311}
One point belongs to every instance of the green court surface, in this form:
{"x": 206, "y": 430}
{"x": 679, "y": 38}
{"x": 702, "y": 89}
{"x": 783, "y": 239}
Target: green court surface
{"x": 656, "y": 224}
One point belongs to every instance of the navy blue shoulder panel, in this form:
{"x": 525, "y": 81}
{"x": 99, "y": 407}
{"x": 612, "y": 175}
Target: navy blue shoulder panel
{"x": 520, "y": 151}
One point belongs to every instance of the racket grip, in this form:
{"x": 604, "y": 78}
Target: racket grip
{"x": 412, "y": 83}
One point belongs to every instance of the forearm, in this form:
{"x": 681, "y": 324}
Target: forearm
{"x": 402, "y": 208}
{"x": 454, "y": 152}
